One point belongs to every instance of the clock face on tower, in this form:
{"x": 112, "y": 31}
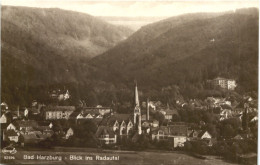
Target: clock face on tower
{"x": 137, "y": 110}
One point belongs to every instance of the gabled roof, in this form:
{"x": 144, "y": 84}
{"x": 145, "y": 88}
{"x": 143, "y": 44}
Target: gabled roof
{"x": 110, "y": 120}
{"x": 66, "y": 129}
{"x": 238, "y": 137}
{"x": 60, "y": 108}
{"x": 26, "y": 123}
{"x": 44, "y": 123}
{"x": 178, "y": 130}
{"x": 202, "y": 133}
{"x": 104, "y": 130}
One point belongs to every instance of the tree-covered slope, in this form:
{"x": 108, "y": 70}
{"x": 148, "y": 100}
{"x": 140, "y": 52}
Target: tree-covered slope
{"x": 187, "y": 49}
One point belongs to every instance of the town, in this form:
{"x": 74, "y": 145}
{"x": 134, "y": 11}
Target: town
{"x": 218, "y": 126}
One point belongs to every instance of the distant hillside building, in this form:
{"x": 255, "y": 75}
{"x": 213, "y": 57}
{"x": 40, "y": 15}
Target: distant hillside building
{"x": 224, "y": 83}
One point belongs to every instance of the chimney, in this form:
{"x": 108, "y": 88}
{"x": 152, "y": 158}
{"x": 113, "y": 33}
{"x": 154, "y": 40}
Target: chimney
{"x": 147, "y": 109}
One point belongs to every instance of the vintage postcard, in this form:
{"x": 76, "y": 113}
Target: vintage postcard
{"x": 129, "y": 82}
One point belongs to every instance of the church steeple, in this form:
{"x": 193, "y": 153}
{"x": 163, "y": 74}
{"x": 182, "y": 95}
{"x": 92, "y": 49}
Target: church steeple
{"x": 136, "y": 95}
{"x": 137, "y": 111}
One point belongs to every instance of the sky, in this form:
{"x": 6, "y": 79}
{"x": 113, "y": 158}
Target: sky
{"x": 136, "y": 8}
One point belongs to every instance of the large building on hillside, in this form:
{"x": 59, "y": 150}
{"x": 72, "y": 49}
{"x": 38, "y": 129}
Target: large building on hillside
{"x": 224, "y": 83}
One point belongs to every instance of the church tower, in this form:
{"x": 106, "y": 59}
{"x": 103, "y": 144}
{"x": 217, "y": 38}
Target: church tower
{"x": 137, "y": 111}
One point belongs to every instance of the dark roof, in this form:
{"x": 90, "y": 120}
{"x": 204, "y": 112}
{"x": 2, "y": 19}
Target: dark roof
{"x": 178, "y": 130}
{"x": 25, "y": 123}
{"x": 43, "y": 128}
{"x": 36, "y": 109}
{"x": 171, "y": 112}
{"x": 30, "y": 138}
{"x": 110, "y": 120}
{"x": 96, "y": 108}
{"x": 194, "y": 133}
{"x": 60, "y": 108}
{"x": 103, "y": 130}
{"x": 44, "y": 123}
{"x": 74, "y": 114}
{"x": 10, "y": 133}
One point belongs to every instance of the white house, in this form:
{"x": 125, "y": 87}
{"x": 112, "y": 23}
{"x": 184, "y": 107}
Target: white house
{"x": 69, "y": 133}
{"x": 11, "y": 127}
{"x": 3, "y": 119}
{"x": 178, "y": 141}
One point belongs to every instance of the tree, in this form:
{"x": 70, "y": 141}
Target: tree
{"x": 176, "y": 118}
{"x": 85, "y": 131}
{"x": 159, "y": 117}
{"x": 228, "y": 131}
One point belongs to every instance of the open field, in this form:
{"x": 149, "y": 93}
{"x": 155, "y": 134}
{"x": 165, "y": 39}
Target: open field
{"x": 93, "y": 156}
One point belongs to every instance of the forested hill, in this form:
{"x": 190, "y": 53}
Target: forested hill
{"x": 42, "y": 50}
{"x": 42, "y": 46}
{"x": 187, "y": 49}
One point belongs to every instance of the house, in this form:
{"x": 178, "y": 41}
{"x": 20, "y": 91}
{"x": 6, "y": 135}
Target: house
{"x": 176, "y": 134}
{"x": 11, "y": 135}
{"x": 36, "y": 108}
{"x": 68, "y": 133}
{"x": 58, "y": 112}
{"x": 4, "y": 107}
{"x": 194, "y": 134}
{"x": 29, "y": 138}
{"x": 22, "y": 125}
{"x": 254, "y": 119}
{"x": 178, "y": 141}
{"x": 9, "y": 117}
{"x": 238, "y": 137}
{"x": 204, "y": 135}
{"x": 121, "y": 124}
{"x": 155, "y": 123}
{"x": 65, "y": 96}
{"x": 3, "y": 119}
{"x": 97, "y": 110}
{"x": 168, "y": 113}
{"x": 45, "y": 128}
{"x": 225, "y": 114}
{"x": 106, "y": 135}
{"x": 11, "y": 126}
{"x": 86, "y": 115}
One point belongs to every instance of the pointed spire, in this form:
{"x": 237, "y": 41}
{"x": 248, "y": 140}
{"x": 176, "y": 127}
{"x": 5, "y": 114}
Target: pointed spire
{"x": 136, "y": 95}
{"x": 147, "y": 109}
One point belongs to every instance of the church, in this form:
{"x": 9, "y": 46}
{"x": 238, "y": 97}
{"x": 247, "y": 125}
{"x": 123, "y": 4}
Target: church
{"x": 118, "y": 125}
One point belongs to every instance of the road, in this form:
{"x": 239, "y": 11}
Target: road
{"x": 95, "y": 156}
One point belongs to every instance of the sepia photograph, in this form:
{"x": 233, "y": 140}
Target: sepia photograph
{"x": 129, "y": 82}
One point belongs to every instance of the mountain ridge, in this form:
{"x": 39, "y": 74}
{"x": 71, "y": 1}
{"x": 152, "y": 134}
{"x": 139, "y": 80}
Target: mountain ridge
{"x": 134, "y": 54}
